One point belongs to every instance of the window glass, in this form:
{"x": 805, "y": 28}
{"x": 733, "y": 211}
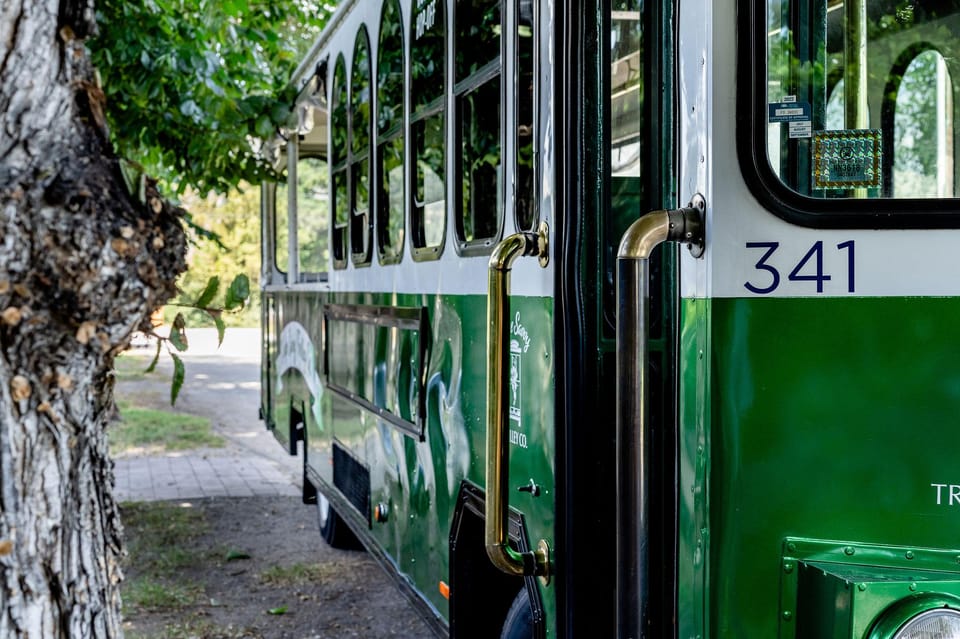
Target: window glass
{"x": 338, "y": 164}
{"x": 526, "y": 124}
{"x": 478, "y": 184}
{"x": 281, "y": 225}
{"x": 390, "y": 198}
{"x": 479, "y": 163}
{"x": 360, "y": 222}
{"x": 923, "y": 130}
{"x": 478, "y": 35}
{"x": 428, "y": 206}
{"x": 313, "y": 214}
{"x": 860, "y": 97}
{"x": 429, "y": 201}
{"x": 390, "y": 220}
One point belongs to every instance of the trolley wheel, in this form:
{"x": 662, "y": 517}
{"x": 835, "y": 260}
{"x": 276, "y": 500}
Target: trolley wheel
{"x": 334, "y": 529}
{"x": 519, "y": 621}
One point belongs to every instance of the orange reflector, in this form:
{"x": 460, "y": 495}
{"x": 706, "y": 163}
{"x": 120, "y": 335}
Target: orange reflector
{"x": 444, "y": 590}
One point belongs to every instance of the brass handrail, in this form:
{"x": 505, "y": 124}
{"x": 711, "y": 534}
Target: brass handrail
{"x": 501, "y": 262}
{"x": 634, "y": 456}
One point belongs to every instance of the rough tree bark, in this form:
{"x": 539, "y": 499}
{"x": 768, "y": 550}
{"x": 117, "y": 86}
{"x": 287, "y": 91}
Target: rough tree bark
{"x": 82, "y": 264}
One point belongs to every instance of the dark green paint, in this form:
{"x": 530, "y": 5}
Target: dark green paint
{"x": 419, "y": 481}
{"x": 826, "y": 419}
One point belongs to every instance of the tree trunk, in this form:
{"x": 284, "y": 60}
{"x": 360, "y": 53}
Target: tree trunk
{"x": 82, "y": 265}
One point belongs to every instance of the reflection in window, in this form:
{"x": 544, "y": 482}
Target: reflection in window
{"x": 923, "y": 130}
{"x": 390, "y": 192}
{"x": 477, "y": 88}
{"x": 360, "y": 222}
{"x": 860, "y": 99}
{"x": 626, "y": 90}
{"x": 313, "y": 217}
{"x": 338, "y": 164}
{"x": 427, "y": 55}
{"x": 479, "y": 163}
{"x": 833, "y": 118}
{"x": 281, "y": 225}
{"x": 429, "y": 202}
{"x": 525, "y": 111}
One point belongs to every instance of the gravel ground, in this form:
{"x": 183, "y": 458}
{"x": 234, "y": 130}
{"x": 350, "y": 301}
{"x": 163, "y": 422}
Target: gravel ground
{"x": 256, "y": 555}
{"x": 249, "y": 555}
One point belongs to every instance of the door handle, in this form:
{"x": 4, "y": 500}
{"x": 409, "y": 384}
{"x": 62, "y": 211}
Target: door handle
{"x": 633, "y": 430}
{"x": 504, "y": 557}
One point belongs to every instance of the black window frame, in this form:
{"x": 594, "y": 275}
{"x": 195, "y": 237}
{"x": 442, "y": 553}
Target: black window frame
{"x": 491, "y": 71}
{"x": 385, "y": 137}
{"x": 535, "y": 116}
{"x": 339, "y": 167}
{"x": 360, "y": 226}
{"x": 437, "y": 107}
{"x": 767, "y": 187}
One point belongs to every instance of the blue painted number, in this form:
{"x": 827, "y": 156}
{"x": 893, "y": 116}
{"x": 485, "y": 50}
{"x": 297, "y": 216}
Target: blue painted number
{"x": 762, "y": 265}
{"x": 804, "y": 271}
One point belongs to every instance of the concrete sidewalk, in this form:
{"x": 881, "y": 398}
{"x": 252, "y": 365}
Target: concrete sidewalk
{"x": 222, "y": 385}
{"x": 191, "y": 476}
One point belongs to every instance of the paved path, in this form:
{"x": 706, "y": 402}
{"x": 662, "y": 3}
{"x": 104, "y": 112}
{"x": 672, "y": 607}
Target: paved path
{"x": 224, "y": 386}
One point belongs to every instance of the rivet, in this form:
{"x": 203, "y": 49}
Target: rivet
{"x": 788, "y": 567}
{"x": 861, "y": 587}
{"x": 849, "y": 550}
{"x": 909, "y": 554}
{"x": 791, "y": 546}
{"x": 787, "y": 615}
{"x": 913, "y": 587}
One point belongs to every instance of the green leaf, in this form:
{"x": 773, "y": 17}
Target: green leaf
{"x": 179, "y": 372}
{"x": 279, "y": 610}
{"x": 234, "y": 555}
{"x": 156, "y": 359}
{"x": 178, "y": 333}
{"x": 264, "y": 127}
{"x": 209, "y": 292}
{"x": 238, "y": 292}
{"x": 221, "y": 329}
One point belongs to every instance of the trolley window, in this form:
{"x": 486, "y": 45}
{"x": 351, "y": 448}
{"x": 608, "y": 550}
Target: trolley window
{"x": 361, "y": 227}
{"x": 477, "y": 89}
{"x": 390, "y": 190}
{"x": 281, "y": 224}
{"x": 313, "y": 218}
{"x": 526, "y": 131}
{"x": 338, "y": 165}
{"x": 853, "y": 116}
{"x": 427, "y": 79}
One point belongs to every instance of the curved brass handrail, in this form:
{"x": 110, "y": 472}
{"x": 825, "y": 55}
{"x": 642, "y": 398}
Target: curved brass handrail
{"x": 634, "y": 439}
{"x": 498, "y": 458}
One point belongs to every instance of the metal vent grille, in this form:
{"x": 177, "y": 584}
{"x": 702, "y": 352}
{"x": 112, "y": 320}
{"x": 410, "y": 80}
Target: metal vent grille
{"x": 352, "y": 479}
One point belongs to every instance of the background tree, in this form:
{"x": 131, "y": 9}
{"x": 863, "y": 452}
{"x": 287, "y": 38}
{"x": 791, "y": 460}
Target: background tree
{"x": 88, "y": 250}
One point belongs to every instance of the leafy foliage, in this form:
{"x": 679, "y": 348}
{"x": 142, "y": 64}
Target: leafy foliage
{"x": 235, "y": 221}
{"x": 191, "y": 83}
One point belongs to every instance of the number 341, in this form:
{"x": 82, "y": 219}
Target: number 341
{"x": 808, "y": 269}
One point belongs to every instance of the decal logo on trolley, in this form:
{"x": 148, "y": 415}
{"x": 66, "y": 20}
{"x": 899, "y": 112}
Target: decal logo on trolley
{"x": 519, "y": 344}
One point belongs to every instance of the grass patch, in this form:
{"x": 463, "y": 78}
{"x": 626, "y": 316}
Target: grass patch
{"x": 159, "y": 536}
{"x": 155, "y": 594}
{"x": 151, "y": 431}
{"x": 131, "y": 367}
{"x": 160, "y": 545}
{"x": 297, "y": 574}
{"x": 196, "y": 628}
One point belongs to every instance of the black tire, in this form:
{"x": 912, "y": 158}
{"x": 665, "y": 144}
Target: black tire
{"x": 333, "y": 529}
{"x": 519, "y": 621}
